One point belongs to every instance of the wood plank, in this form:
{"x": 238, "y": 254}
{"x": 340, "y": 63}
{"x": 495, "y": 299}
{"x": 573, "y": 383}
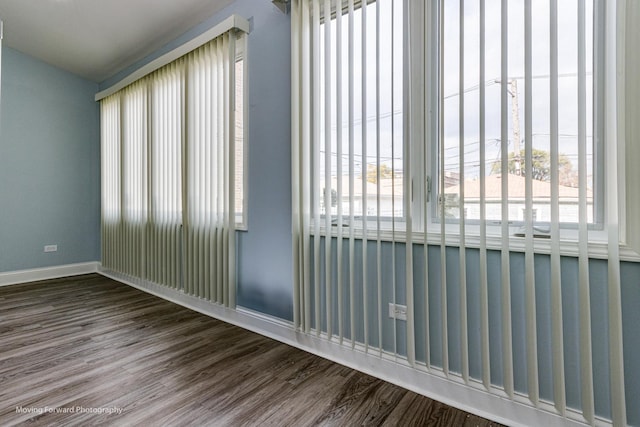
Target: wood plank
{"x": 91, "y": 342}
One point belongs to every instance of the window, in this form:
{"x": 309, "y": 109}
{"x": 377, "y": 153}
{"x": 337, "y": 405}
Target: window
{"x": 360, "y": 64}
{"x": 427, "y": 110}
{"x": 550, "y": 81}
{"x": 358, "y": 136}
{"x": 155, "y": 101}
{"x": 174, "y": 169}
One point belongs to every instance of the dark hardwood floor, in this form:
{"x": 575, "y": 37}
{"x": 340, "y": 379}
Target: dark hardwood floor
{"x": 70, "y": 348}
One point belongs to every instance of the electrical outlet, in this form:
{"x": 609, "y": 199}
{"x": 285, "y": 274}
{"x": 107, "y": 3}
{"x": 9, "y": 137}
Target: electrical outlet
{"x": 51, "y": 248}
{"x": 397, "y": 311}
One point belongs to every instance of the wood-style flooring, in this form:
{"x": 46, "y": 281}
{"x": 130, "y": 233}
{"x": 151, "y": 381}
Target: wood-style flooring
{"x": 72, "y": 347}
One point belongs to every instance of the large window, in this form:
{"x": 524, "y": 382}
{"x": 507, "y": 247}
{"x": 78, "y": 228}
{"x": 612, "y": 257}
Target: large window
{"x": 173, "y": 170}
{"x": 146, "y": 121}
{"x": 456, "y": 110}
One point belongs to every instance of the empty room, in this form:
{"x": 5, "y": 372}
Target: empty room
{"x": 320, "y": 212}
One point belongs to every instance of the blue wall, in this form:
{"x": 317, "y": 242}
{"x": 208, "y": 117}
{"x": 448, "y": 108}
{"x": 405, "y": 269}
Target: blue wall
{"x": 49, "y": 193}
{"x": 49, "y": 165}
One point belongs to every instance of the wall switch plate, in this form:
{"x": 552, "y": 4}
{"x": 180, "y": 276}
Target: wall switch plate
{"x": 397, "y": 311}
{"x": 51, "y": 248}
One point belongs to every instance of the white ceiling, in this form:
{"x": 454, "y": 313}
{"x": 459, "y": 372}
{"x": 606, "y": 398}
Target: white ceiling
{"x": 97, "y": 38}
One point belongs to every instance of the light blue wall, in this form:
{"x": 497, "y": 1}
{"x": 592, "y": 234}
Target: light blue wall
{"x": 49, "y": 165}
{"x": 630, "y": 277}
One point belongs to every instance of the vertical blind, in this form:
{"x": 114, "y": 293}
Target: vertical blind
{"x": 169, "y": 173}
{"x": 358, "y": 98}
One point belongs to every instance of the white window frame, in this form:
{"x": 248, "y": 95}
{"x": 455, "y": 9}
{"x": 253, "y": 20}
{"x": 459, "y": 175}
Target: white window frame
{"x": 433, "y": 46}
{"x": 241, "y": 55}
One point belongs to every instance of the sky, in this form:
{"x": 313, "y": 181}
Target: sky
{"x": 389, "y": 64}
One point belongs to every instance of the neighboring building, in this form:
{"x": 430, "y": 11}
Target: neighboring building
{"x": 390, "y": 195}
{"x": 568, "y": 200}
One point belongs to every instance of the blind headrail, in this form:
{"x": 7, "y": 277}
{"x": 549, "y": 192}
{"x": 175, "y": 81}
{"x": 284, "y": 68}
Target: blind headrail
{"x": 232, "y": 22}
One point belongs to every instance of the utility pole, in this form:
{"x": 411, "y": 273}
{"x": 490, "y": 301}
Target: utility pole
{"x": 515, "y": 115}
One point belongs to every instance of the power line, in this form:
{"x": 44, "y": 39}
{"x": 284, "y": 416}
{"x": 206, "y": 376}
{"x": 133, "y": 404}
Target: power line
{"x": 491, "y": 82}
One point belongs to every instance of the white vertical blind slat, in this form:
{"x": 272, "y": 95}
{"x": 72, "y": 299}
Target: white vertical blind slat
{"x": 189, "y": 220}
{"x": 407, "y": 193}
{"x": 231, "y": 284}
{"x": 222, "y": 171}
{"x": 296, "y": 167}
{"x": 339, "y": 170}
{"x": 530, "y": 283}
{"x": 352, "y": 266}
{"x": 306, "y": 159}
{"x": 177, "y": 144}
{"x": 328, "y": 188}
{"x": 182, "y": 129}
{"x": 484, "y": 291}
{"x": 316, "y": 124}
{"x": 206, "y": 174}
{"x": 393, "y": 197}
{"x": 614, "y": 19}
{"x": 464, "y": 336}
{"x": 378, "y": 186}
{"x": 363, "y": 167}
{"x": 505, "y": 274}
{"x": 586, "y": 359}
{"x": 428, "y": 11}
{"x": 559, "y": 394}
{"x": 441, "y": 205}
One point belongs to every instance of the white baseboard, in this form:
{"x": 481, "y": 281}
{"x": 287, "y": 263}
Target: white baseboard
{"x": 46, "y": 273}
{"x": 435, "y": 385}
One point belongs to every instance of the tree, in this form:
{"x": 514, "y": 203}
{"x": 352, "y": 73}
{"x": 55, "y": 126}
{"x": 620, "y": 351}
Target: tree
{"x": 385, "y": 172}
{"x": 541, "y": 167}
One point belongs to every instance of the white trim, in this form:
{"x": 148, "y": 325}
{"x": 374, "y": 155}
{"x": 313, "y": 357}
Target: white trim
{"x": 629, "y": 106}
{"x": 569, "y": 246}
{"x": 234, "y": 21}
{"x": 46, "y": 273}
{"x": 389, "y": 368}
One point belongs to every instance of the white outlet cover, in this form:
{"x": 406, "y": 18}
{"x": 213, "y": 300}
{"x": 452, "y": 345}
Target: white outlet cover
{"x": 397, "y": 311}
{"x": 51, "y": 248}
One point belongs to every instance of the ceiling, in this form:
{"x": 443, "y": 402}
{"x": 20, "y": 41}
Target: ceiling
{"x": 97, "y": 38}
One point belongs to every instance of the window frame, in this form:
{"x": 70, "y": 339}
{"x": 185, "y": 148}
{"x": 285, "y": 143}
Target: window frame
{"x": 241, "y": 221}
{"x": 389, "y": 225}
{"x": 433, "y": 46}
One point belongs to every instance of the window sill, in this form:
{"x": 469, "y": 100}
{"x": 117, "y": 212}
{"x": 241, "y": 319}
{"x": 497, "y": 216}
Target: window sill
{"x": 597, "y": 248}
{"x": 242, "y": 227}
